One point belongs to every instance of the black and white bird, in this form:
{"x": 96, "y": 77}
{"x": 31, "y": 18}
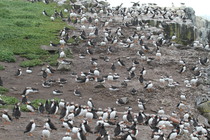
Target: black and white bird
{"x": 24, "y": 99}
{"x": 30, "y": 107}
{"x": 41, "y": 108}
{"x": 120, "y": 62}
{"x": 45, "y": 133}
{"x": 49, "y": 125}
{"x": 81, "y": 135}
{"x": 149, "y": 86}
{"x": 57, "y": 92}
{"x": 183, "y": 69}
{"x": 18, "y": 73}
{"x": 30, "y": 127}
{"x": 113, "y": 88}
{"x": 203, "y": 61}
{"x": 172, "y": 135}
{"x": 143, "y": 71}
{"x": 16, "y": 111}
{"x": 53, "y": 108}
{"x": 77, "y": 93}
{"x": 85, "y": 127}
{"x": 6, "y": 117}
{"x": 29, "y": 70}
{"x": 90, "y": 103}
{"x": 45, "y": 13}
{"x": 67, "y": 136}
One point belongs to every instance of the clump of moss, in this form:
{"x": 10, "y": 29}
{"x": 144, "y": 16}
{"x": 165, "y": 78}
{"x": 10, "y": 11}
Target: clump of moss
{"x": 3, "y": 90}
{"x": 31, "y": 63}
{"x": 2, "y": 67}
{"x": 9, "y": 100}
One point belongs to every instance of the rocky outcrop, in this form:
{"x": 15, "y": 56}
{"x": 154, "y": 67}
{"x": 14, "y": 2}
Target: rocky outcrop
{"x": 203, "y": 105}
{"x": 195, "y": 28}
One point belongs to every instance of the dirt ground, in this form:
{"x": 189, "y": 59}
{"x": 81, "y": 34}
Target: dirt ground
{"x": 160, "y": 96}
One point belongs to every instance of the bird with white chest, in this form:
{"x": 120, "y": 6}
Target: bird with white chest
{"x": 90, "y": 103}
{"x": 110, "y": 77}
{"x": 96, "y": 72}
{"x": 6, "y": 117}
{"x": 62, "y": 54}
{"x": 45, "y": 133}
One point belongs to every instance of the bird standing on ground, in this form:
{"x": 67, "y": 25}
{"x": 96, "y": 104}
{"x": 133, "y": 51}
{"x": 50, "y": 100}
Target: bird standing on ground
{"x": 18, "y": 73}
{"x": 49, "y": 125}
{"x": 16, "y": 111}
{"x": 30, "y": 127}
{"x": 6, "y": 117}
{"x": 45, "y": 134}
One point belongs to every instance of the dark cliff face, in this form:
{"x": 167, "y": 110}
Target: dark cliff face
{"x": 197, "y": 29}
{"x": 185, "y": 34}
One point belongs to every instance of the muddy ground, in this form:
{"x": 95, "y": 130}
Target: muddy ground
{"x": 160, "y": 96}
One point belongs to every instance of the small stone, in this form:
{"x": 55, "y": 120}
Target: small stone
{"x": 13, "y": 89}
{"x": 100, "y": 86}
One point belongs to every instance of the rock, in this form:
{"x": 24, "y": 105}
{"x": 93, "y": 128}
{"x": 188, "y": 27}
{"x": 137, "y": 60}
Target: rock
{"x": 190, "y": 13}
{"x": 13, "y": 89}
{"x": 125, "y": 100}
{"x": 100, "y": 86}
{"x": 203, "y": 120}
{"x": 204, "y": 107}
{"x": 64, "y": 67}
{"x": 49, "y": 48}
{"x": 201, "y": 99}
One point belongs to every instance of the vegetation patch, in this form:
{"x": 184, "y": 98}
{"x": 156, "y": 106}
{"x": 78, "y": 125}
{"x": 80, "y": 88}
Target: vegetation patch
{"x": 52, "y": 59}
{"x": 2, "y": 67}
{"x": 9, "y": 100}
{"x": 3, "y": 90}
{"x": 31, "y": 63}
{"x": 23, "y": 29}
{"x": 7, "y": 55}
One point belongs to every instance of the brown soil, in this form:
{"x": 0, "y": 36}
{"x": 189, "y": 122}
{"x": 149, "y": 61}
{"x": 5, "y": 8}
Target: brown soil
{"x": 166, "y": 97}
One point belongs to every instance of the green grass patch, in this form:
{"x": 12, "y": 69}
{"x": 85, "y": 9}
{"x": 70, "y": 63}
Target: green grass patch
{"x": 31, "y": 63}
{"x": 7, "y": 55}
{"x": 3, "y": 90}
{"x": 23, "y": 29}
{"x": 36, "y": 102}
{"x": 23, "y": 108}
{"x": 2, "y": 67}
{"x": 9, "y": 100}
{"x": 52, "y": 59}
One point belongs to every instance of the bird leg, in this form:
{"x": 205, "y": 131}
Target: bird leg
{"x": 30, "y": 134}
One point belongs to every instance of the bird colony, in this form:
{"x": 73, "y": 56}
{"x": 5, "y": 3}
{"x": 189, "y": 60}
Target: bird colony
{"x": 128, "y": 80}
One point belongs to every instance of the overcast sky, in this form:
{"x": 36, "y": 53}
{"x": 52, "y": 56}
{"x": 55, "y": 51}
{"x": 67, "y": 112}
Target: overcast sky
{"x": 201, "y": 7}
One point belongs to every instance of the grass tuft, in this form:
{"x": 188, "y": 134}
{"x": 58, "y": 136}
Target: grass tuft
{"x": 3, "y": 90}
{"x": 31, "y": 63}
{"x": 2, "y": 67}
{"x": 9, "y": 100}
